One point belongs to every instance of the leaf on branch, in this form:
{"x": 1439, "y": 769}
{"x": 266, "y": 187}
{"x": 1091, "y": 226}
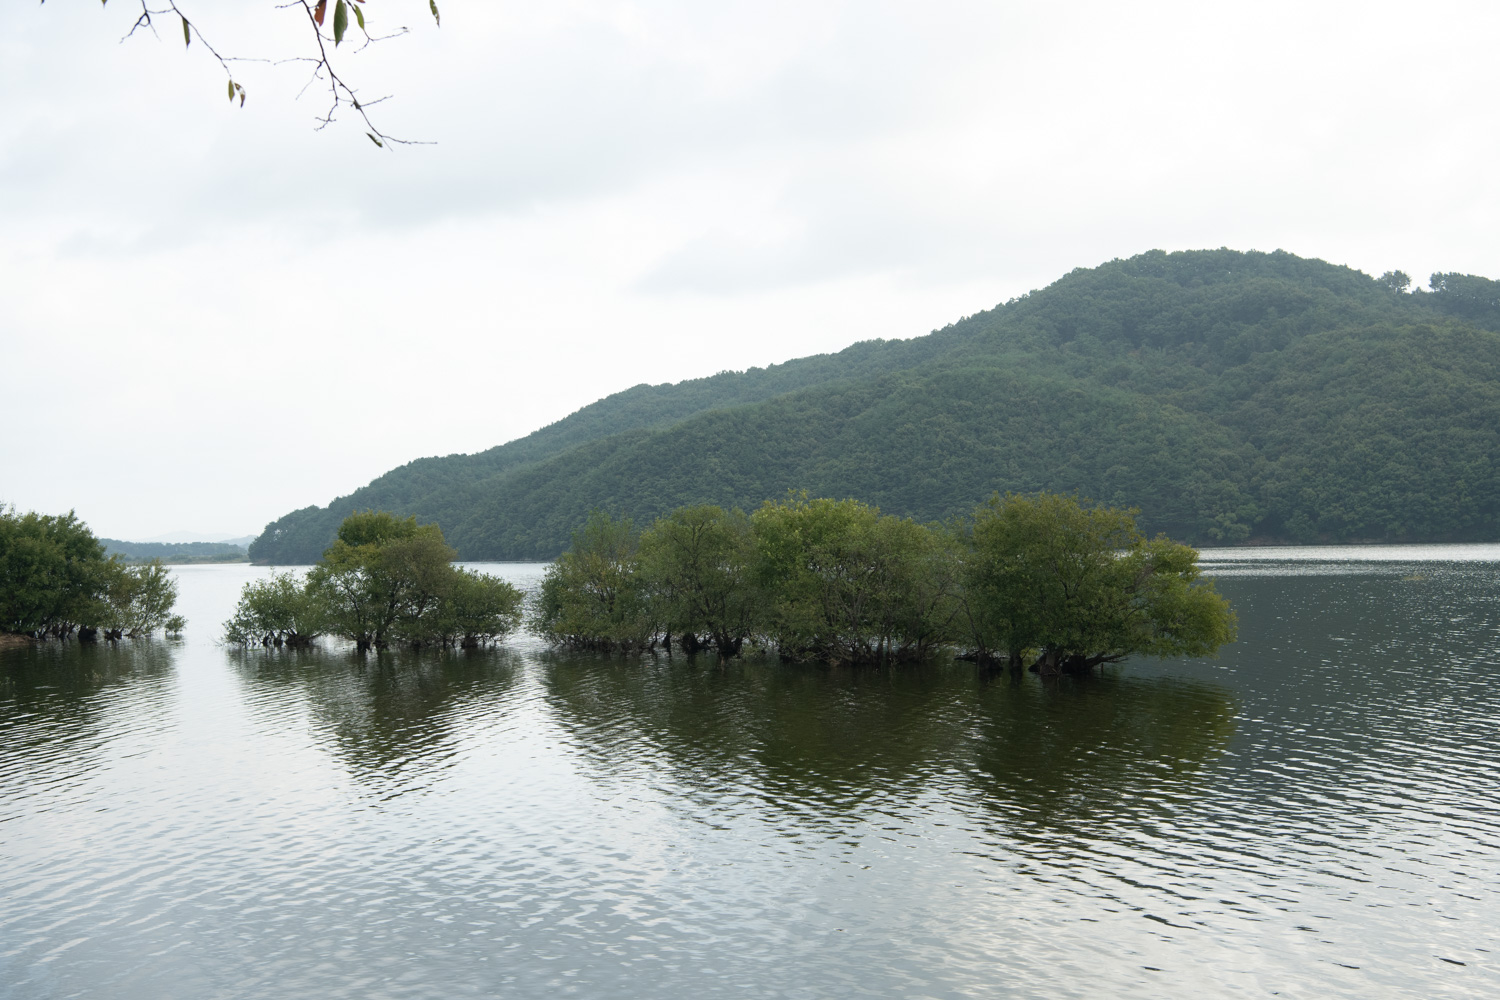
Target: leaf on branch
{"x": 375, "y": 140}
{"x": 231, "y": 90}
{"x": 340, "y": 21}
{"x": 435, "y": 15}
{"x": 319, "y": 11}
{"x": 359, "y": 16}
{"x": 187, "y": 38}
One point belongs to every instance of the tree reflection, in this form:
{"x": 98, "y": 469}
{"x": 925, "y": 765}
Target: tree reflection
{"x": 793, "y": 733}
{"x": 57, "y": 698}
{"x": 822, "y": 742}
{"x": 1086, "y": 753}
{"x": 385, "y": 713}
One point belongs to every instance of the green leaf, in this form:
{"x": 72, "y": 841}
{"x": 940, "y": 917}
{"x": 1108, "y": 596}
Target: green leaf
{"x": 340, "y": 21}
{"x": 375, "y": 140}
{"x": 231, "y": 90}
{"x": 187, "y": 38}
{"x": 435, "y": 15}
{"x": 359, "y": 16}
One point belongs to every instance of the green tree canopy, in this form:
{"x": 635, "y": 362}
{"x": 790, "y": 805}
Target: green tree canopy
{"x": 279, "y": 610}
{"x": 1396, "y": 281}
{"x": 55, "y": 581}
{"x": 849, "y": 585}
{"x": 1078, "y": 585}
{"x": 1042, "y": 579}
{"x": 697, "y": 565}
{"x": 380, "y": 577}
{"x": 384, "y": 580}
{"x": 592, "y": 596}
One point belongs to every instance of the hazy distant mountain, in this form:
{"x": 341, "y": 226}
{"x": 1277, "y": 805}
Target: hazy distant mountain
{"x": 175, "y": 552}
{"x": 1231, "y": 396}
{"x": 180, "y": 537}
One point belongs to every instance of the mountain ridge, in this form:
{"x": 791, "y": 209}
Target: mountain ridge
{"x": 1221, "y": 392}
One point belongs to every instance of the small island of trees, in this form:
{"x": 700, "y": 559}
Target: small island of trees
{"x": 384, "y": 581}
{"x": 1046, "y": 583}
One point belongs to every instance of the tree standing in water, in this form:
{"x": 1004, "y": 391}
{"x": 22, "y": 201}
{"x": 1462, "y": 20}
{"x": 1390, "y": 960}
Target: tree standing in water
{"x": 384, "y": 580}
{"x": 1073, "y": 586}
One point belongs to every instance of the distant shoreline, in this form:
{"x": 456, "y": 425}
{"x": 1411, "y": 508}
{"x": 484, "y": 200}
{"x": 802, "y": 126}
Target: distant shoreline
{"x": 188, "y": 559}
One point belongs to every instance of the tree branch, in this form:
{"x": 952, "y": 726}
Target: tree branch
{"x": 340, "y": 93}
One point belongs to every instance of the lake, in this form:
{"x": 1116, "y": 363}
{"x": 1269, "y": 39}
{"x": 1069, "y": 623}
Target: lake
{"x": 1315, "y": 813}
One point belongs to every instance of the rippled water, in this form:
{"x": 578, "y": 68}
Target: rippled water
{"x": 1313, "y": 814}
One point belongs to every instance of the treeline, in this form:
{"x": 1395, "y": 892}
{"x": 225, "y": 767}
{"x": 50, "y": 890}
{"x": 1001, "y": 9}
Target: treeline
{"x": 175, "y": 553}
{"x": 1234, "y": 396}
{"x": 56, "y": 581}
{"x": 384, "y": 581}
{"x": 1043, "y": 582}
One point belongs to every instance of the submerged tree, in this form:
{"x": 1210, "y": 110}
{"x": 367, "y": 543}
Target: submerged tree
{"x": 137, "y": 601}
{"x": 1044, "y": 580}
{"x": 848, "y": 585}
{"x": 380, "y": 577}
{"x": 52, "y": 572}
{"x": 1073, "y": 586}
{"x": 384, "y": 580}
{"x": 592, "y": 596}
{"x": 474, "y": 609}
{"x": 697, "y": 570}
{"x": 55, "y": 581}
{"x": 279, "y": 610}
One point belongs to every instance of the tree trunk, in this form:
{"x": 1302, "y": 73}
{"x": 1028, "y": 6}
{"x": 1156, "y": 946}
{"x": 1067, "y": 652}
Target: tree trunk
{"x": 1047, "y": 664}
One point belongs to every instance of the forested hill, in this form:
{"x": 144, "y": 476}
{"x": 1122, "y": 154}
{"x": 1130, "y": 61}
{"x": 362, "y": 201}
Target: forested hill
{"x": 1230, "y": 396}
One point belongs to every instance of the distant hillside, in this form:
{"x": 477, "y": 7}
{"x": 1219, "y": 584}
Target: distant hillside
{"x": 1231, "y": 396}
{"x": 175, "y": 552}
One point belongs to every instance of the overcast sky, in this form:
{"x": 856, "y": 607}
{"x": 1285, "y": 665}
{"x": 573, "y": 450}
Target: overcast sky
{"x": 210, "y": 316}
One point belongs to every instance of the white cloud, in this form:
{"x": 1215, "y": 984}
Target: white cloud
{"x": 213, "y": 315}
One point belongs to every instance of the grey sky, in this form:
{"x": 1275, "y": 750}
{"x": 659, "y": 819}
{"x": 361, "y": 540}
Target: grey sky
{"x": 210, "y": 316}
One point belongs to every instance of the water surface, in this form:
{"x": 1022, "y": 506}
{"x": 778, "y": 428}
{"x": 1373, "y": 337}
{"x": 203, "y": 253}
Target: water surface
{"x": 1313, "y": 814}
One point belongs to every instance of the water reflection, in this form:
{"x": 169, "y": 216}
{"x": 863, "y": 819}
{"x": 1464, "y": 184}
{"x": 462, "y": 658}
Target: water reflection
{"x": 63, "y": 704}
{"x": 795, "y": 736}
{"x": 1081, "y": 757}
{"x": 823, "y": 745}
{"x": 64, "y": 676}
{"x": 1314, "y": 814}
{"x": 389, "y": 717}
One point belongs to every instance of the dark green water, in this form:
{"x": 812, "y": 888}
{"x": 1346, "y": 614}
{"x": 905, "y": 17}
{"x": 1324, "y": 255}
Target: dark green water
{"x": 1314, "y": 814}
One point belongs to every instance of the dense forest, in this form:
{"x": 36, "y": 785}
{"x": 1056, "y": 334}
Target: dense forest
{"x": 1232, "y": 397}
